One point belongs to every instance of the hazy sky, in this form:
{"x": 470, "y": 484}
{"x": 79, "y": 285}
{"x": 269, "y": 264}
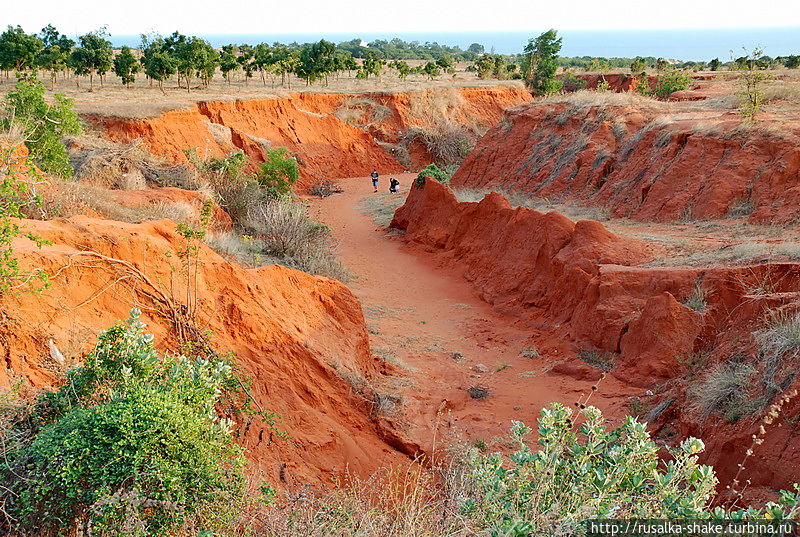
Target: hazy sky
{"x": 309, "y": 16}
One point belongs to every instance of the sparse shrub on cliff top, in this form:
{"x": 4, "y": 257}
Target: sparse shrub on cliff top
{"x": 751, "y": 79}
{"x": 131, "y": 440}
{"x": 669, "y": 83}
{"x": 43, "y": 125}
{"x": 434, "y": 172}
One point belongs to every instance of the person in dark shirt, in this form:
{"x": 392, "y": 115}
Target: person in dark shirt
{"x": 394, "y": 185}
{"x": 374, "y": 176}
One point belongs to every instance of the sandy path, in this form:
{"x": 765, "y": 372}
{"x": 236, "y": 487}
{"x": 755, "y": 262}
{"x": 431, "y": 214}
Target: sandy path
{"x": 434, "y": 330}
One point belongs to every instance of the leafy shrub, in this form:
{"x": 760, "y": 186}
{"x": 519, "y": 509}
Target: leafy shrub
{"x": 131, "y": 438}
{"x": 43, "y": 124}
{"x": 584, "y": 470}
{"x": 434, "y": 172}
{"x": 14, "y": 196}
{"x": 279, "y": 171}
{"x": 671, "y": 82}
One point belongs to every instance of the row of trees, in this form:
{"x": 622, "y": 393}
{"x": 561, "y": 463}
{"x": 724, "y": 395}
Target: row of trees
{"x": 398, "y": 49}
{"x": 191, "y": 59}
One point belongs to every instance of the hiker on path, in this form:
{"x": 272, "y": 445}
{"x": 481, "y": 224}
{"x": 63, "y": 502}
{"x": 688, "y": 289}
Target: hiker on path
{"x": 394, "y": 185}
{"x": 374, "y": 176}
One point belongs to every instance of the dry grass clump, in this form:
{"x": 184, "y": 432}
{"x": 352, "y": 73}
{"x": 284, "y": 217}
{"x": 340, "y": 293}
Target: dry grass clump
{"x": 277, "y": 231}
{"x": 747, "y": 251}
{"x": 442, "y": 123}
{"x": 585, "y": 99}
{"x": 448, "y": 143}
{"x": 780, "y": 336}
{"x": 325, "y": 188}
{"x": 396, "y": 503}
{"x": 63, "y": 199}
{"x": 362, "y": 111}
{"x": 782, "y": 91}
{"x": 737, "y": 389}
{"x": 697, "y": 299}
{"x": 381, "y": 207}
{"x": 724, "y": 390}
{"x": 131, "y": 166}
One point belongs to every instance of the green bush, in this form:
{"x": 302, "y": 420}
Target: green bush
{"x": 570, "y": 82}
{"x": 43, "y": 125}
{"x": 132, "y": 439}
{"x": 583, "y": 470}
{"x": 14, "y": 196}
{"x": 279, "y": 171}
{"x": 434, "y": 172}
{"x": 671, "y": 82}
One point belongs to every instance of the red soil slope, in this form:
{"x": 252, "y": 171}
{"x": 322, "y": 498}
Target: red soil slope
{"x": 297, "y": 336}
{"x": 581, "y": 283}
{"x": 642, "y": 163}
{"x": 305, "y": 123}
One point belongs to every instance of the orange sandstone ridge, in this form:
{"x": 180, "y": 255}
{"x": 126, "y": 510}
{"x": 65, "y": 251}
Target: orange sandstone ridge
{"x": 643, "y": 162}
{"x": 299, "y": 337}
{"x": 327, "y": 146}
{"x": 582, "y": 284}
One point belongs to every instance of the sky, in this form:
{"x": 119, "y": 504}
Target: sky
{"x": 348, "y": 16}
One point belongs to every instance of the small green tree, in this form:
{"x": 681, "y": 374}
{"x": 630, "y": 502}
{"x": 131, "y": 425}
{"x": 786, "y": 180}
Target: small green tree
{"x": 751, "y": 79}
{"x": 372, "y": 64}
{"x": 316, "y": 61}
{"x": 402, "y": 68}
{"x": 638, "y": 66}
{"x": 714, "y": 64}
{"x": 193, "y": 57}
{"x": 431, "y": 70}
{"x": 540, "y": 64}
{"x": 445, "y": 61}
{"x": 227, "y": 62}
{"x": 43, "y": 124}
{"x": 93, "y": 56}
{"x": 245, "y": 60}
{"x": 18, "y": 50}
{"x": 54, "y": 57}
{"x": 157, "y": 61}
{"x": 279, "y": 171}
{"x": 126, "y": 66}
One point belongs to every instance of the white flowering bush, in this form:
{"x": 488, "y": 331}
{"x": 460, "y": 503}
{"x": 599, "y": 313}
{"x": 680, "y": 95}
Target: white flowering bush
{"x": 585, "y": 470}
{"x": 131, "y": 444}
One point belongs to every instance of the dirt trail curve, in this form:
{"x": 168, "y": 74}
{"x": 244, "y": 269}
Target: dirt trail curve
{"x": 442, "y": 339}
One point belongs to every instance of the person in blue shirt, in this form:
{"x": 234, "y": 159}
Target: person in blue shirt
{"x": 374, "y": 176}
